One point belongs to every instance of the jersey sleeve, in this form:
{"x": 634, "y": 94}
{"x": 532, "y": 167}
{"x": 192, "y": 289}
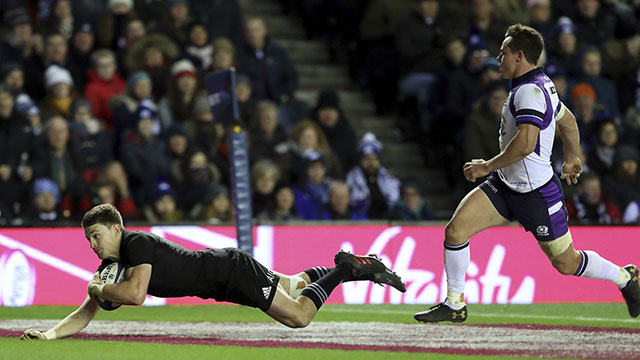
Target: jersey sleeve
{"x": 530, "y": 106}
{"x": 140, "y": 250}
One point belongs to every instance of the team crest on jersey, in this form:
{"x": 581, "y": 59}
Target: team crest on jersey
{"x": 542, "y": 230}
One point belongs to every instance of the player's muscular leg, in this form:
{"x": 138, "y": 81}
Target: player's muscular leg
{"x": 474, "y": 214}
{"x": 294, "y": 313}
{"x": 565, "y": 261}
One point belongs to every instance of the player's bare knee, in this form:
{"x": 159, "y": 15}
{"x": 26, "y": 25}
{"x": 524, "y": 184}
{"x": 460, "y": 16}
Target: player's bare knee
{"x": 453, "y": 234}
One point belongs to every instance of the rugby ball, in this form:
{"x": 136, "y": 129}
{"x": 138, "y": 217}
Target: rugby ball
{"x": 111, "y": 274}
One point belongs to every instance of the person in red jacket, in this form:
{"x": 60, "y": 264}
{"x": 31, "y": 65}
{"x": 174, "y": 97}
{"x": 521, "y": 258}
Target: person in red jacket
{"x": 103, "y": 84}
{"x": 588, "y": 205}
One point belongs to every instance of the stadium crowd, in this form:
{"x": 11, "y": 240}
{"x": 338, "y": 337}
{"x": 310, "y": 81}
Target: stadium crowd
{"x": 103, "y": 102}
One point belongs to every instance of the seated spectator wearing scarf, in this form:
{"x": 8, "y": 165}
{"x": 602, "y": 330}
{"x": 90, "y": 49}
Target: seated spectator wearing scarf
{"x": 373, "y": 189}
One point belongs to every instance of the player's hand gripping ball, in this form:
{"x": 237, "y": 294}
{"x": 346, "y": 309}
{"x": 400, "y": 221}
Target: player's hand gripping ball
{"x": 112, "y": 274}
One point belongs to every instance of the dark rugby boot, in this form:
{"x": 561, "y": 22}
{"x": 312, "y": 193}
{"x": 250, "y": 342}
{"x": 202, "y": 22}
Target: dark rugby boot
{"x": 369, "y": 268}
{"x": 631, "y": 292}
{"x": 441, "y": 312}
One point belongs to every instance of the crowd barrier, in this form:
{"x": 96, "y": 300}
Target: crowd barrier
{"x": 52, "y": 266}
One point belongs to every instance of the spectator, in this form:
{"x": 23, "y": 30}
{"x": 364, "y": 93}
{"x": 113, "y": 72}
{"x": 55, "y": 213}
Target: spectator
{"x": 247, "y": 105}
{"x": 564, "y": 48}
{"x": 177, "y": 150}
{"x": 139, "y": 94}
{"x": 20, "y": 43}
{"x": 283, "y": 208}
{"x": 632, "y": 213}
{"x": 583, "y": 98}
{"x": 56, "y": 161}
{"x": 540, "y": 17}
{"x": 177, "y": 105}
{"x": 589, "y": 206}
{"x": 103, "y": 84}
{"x": 264, "y": 177}
{"x": 595, "y": 23}
{"x": 271, "y": 71}
{"x": 485, "y": 27}
{"x": 82, "y": 45}
{"x": 111, "y": 187}
{"x": 223, "y": 18}
{"x": 622, "y": 186}
{"x": 420, "y": 40}
{"x": 410, "y": 206}
{"x": 60, "y": 92}
{"x": 482, "y": 126}
{"x": 268, "y": 138}
{"x": 218, "y": 205}
{"x": 154, "y": 54}
{"x": 336, "y": 128}
{"x": 207, "y": 133}
{"x": 198, "y": 174}
{"x": 142, "y": 155}
{"x": 312, "y": 192}
{"x": 198, "y": 47}
{"x": 306, "y": 135}
{"x": 338, "y": 206}
{"x": 606, "y": 94}
{"x": 112, "y": 26}
{"x": 601, "y": 157}
{"x": 60, "y": 19}
{"x": 163, "y": 206}
{"x": 223, "y": 55}
{"x": 13, "y": 78}
{"x": 46, "y": 198}
{"x": 92, "y": 147}
{"x": 176, "y": 21}
{"x": 373, "y": 189}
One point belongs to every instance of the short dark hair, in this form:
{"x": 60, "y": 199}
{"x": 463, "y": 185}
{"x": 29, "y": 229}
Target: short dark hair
{"x": 105, "y": 214}
{"x": 526, "y": 39}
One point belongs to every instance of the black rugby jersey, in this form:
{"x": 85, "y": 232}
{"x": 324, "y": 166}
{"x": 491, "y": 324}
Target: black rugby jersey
{"x": 176, "y": 271}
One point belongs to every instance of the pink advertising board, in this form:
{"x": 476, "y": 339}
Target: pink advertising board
{"x": 53, "y": 265}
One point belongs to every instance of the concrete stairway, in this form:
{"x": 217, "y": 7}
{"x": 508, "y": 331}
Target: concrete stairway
{"x": 316, "y": 73}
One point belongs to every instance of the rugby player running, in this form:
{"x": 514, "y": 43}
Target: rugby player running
{"x": 521, "y": 184}
{"x": 159, "y": 267}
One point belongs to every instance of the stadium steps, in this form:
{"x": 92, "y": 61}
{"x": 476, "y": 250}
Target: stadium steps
{"x": 317, "y": 73}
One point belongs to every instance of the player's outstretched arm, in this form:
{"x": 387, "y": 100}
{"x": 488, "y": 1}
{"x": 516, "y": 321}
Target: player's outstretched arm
{"x": 70, "y": 325}
{"x": 132, "y": 291}
{"x": 521, "y": 145}
{"x": 570, "y": 135}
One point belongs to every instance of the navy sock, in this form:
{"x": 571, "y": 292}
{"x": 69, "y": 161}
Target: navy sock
{"x": 319, "y": 290}
{"x": 317, "y": 272}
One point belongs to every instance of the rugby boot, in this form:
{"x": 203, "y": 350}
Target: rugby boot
{"x": 441, "y": 312}
{"x": 369, "y": 268}
{"x": 631, "y": 292}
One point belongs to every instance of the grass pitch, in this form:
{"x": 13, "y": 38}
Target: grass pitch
{"x": 590, "y": 315}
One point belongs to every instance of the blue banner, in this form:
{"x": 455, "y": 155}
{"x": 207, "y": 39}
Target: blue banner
{"x": 221, "y": 94}
{"x": 241, "y": 188}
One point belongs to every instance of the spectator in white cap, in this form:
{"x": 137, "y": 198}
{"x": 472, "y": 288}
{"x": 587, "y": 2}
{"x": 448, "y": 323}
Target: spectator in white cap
{"x": 179, "y": 102}
{"x": 60, "y": 92}
{"x": 46, "y": 197}
{"x": 373, "y": 189}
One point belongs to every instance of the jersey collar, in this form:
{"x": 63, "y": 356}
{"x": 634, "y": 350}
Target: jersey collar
{"x": 526, "y": 77}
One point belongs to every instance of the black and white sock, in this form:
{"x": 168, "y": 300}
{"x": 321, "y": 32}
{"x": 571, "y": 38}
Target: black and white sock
{"x": 594, "y": 266}
{"x": 319, "y": 290}
{"x": 317, "y": 272}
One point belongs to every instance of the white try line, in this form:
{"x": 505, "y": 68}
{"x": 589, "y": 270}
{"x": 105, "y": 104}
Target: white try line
{"x": 485, "y": 315}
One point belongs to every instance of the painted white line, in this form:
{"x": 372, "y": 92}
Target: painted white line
{"x": 486, "y": 315}
{"x": 48, "y": 259}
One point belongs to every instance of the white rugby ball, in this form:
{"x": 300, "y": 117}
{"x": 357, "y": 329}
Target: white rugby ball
{"x": 111, "y": 274}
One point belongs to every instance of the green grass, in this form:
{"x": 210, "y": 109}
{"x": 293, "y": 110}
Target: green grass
{"x": 587, "y": 314}
{"x": 605, "y": 315}
{"x": 11, "y": 349}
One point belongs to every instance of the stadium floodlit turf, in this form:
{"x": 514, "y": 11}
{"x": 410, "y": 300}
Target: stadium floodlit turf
{"x": 516, "y": 330}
